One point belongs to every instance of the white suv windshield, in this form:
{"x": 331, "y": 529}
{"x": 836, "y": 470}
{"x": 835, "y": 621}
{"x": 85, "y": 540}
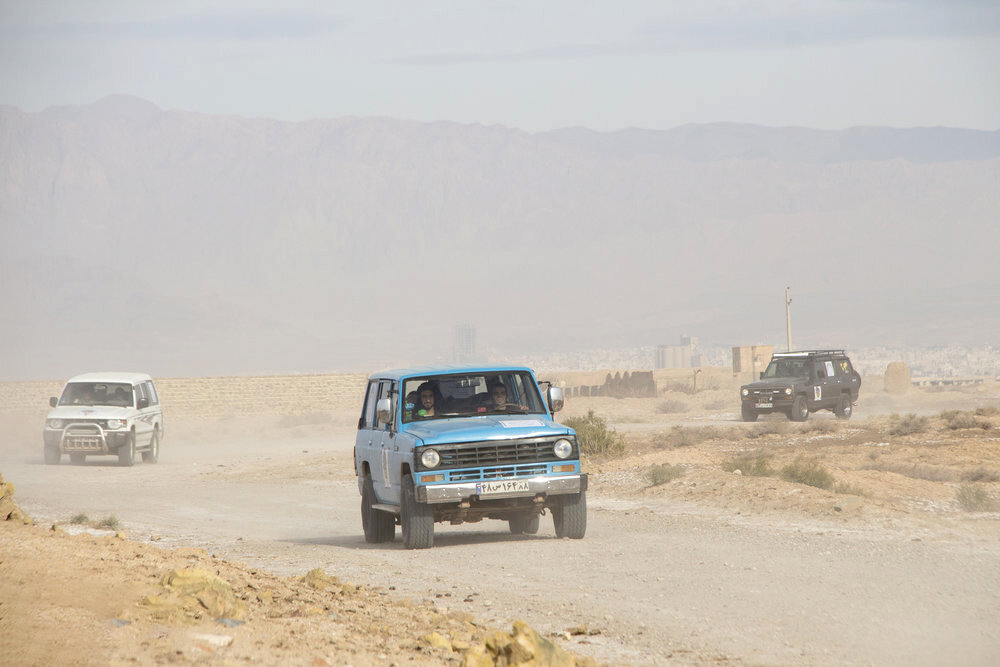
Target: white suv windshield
{"x": 97, "y": 393}
{"x": 470, "y": 395}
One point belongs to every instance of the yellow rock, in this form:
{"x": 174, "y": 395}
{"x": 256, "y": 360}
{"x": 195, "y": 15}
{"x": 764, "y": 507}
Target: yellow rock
{"x": 477, "y": 656}
{"x": 437, "y": 640}
{"x": 317, "y": 578}
{"x": 208, "y": 590}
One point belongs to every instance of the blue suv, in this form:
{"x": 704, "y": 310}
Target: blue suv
{"x": 462, "y": 445}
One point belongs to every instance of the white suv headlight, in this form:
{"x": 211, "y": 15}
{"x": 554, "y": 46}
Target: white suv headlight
{"x": 115, "y": 423}
{"x": 563, "y": 448}
{"x": 54, "y": 423}
{"x": 430, "y": 458}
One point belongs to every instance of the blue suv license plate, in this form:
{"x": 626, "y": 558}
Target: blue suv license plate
{"x": 502, "y": 487}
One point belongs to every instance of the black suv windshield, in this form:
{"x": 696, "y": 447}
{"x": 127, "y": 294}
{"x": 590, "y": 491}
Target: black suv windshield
{"x": 470, "y": 395}
{"x": 97, "y": 393}
{"x": 786, "y": 368}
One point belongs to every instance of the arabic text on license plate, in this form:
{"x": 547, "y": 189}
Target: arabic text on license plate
{"x": 765, "y": 405}
{"x": 504, "y": 486}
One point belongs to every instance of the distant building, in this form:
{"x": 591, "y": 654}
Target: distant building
{"x": 751, "y": 359}
{"x": 685, "y": 355}
{"x": 464, "y": 344}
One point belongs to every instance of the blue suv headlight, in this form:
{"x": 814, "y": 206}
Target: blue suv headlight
{"x": 563, "y": 448}
{"x": 430, "y": 458}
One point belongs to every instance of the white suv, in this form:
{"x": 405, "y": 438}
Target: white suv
{"x": 105, "y": 413}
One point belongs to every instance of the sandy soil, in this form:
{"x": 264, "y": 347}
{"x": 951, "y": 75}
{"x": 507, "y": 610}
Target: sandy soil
{"x": 886, "y": 567}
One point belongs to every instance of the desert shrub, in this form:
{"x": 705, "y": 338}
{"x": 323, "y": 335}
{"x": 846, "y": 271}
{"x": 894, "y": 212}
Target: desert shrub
{"x": 595, "y": 436}
{"x": 109, "y": 522}
{"x": 908, "y": 425}
{"x": 849, "y": 489}
{"x": 974, "y": 498}
{"x": 671, "y": 406}
{"x": 917, "y": 471}
{"x": 734, "y": 434}
{"x": 961, "y": 420}
{"x": 680, "y": 387}
{"x": 988, "y": 411}
{"x": 768, "y": 428}
{"x": 661, "y": 474}
{"x": 79, "y": 519}
{"x": 680, "y": 436}
{"x": 755, "y": 464}
{"x": 810, "y": 473}
{"x": 820, "y": 426}
{"x": 980, "y": 474}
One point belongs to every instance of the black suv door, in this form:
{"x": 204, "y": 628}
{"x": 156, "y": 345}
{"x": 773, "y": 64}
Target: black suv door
{"x": 826, "y": 385}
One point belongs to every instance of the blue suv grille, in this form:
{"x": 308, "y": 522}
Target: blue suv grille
{"x": 498, "y": 452}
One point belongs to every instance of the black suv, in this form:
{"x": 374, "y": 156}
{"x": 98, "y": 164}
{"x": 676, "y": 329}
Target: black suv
{"x": 797, "y": 383}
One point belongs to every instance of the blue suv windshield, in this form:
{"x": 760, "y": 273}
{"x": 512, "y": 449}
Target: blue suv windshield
{"x": 470, "y": 395}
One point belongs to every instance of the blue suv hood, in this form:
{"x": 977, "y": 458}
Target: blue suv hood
{"x": 493, "y": 427}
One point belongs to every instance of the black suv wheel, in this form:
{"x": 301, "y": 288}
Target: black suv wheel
{"x": 800, "y": 410}
{"x": 845, "y": 408}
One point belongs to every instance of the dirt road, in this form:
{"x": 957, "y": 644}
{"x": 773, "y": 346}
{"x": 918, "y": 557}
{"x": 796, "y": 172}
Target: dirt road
{"x": 658, "y": 578}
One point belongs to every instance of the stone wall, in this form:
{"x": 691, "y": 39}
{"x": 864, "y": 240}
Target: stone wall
{"x": 218, "y": 396}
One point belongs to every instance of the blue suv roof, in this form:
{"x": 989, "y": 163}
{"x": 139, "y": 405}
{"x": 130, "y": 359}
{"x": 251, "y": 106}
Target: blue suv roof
{"x": 399, "y": 373}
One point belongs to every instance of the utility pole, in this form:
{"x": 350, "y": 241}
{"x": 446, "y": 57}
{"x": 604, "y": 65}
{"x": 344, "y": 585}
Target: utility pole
{"x": 788, "y": 318}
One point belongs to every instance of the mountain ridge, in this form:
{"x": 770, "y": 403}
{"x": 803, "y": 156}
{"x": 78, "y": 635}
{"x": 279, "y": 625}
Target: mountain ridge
{"x": 590, "y": 236}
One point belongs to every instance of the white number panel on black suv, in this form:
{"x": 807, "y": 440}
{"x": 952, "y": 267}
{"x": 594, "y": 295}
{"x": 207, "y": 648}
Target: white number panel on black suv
{"x": 116, "y": 414}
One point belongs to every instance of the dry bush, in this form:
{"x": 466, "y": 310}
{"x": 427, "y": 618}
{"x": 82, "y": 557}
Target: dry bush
{"x": 754, "y": 464}
{"x": 908, "y": 424}
{"x": 109, "y": 522}
{"x": 661, "y": 474}
{"x": 768, "y": 428}
{"x": 595, "y": 437}
{"x": 849, "y": 489}
{"x": 682, "y": 436}
{"x": 980, "y": 474}
{"x": 671, "y": 406}
{"x": 811, "y": 473}
{"x": 679, "y": 387}
{"x": 957, "y": 420}
{"x": 79, "y": 519}
{"x": 732, "y": 434}
{"x": 820, "y": 426}
{"x": 916, "y": 471}
{"x": 987, "y": 411}
{"x": 974, "y": 498}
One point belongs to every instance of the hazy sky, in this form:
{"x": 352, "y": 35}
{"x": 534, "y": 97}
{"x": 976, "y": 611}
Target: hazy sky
{"x": 532, "y": 65}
